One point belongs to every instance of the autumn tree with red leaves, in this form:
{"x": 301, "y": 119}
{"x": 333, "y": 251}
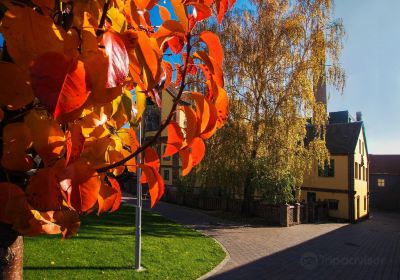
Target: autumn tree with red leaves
{"x": 74, "y": 80}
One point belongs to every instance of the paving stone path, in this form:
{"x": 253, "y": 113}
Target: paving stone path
{"x": 367, "y": 250}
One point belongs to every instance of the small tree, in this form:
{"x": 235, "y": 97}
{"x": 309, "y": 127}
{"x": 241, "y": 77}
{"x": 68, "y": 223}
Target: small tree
{"x": 276, "y": 56}
{"x": 74, "y": 80}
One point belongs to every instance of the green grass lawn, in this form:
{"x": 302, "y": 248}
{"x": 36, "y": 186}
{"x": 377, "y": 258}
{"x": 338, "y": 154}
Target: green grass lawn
{"x": 104, "y": 249}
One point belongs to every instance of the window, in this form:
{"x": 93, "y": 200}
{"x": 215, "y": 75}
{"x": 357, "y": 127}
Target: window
{"x": 364, "y": 173}
{"x": 166, "y": 174}
{"x": 365, "y": 203}
{"x": 328, "y": 170}
{"x": 333, "y": 204}
{"x": 359, "y": 146}
{"x": 359, "y": 172}
{"x": 356, "y": 169}
{"x": 311, "y": 197}
{"x": 381, "y": 182}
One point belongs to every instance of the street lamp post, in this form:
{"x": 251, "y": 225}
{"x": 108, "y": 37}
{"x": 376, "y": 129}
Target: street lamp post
{"x": 138, "y": 212}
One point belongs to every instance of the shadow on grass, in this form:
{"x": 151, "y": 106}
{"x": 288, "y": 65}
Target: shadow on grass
{"x": 79, "y": 267}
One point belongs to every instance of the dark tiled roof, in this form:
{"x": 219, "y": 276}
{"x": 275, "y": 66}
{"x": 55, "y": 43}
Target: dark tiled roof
{"x": 341, "y": 138}
{"x": 384, "y": 164}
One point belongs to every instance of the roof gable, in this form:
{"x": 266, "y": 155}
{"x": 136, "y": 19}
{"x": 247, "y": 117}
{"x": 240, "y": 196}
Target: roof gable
{"x": 341, "y": 138}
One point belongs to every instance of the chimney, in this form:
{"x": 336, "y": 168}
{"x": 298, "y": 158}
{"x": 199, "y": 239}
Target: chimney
{"x": 359, "y": 116}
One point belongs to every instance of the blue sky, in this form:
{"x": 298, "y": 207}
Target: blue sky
{"x": 371, "y": 59}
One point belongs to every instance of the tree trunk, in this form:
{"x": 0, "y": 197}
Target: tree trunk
{"x": 11, "y": 253}
{"x": 247, "y": 196}
{"x": 248, "y": 188}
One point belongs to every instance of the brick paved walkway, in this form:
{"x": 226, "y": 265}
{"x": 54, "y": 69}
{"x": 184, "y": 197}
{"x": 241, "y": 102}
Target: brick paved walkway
{"x": 368, "y": 250}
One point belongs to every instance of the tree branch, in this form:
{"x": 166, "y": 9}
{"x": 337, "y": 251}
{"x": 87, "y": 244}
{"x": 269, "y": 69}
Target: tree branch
{"x": 166, "y": 122}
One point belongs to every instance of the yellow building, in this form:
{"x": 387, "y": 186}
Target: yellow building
{"x": 343, "y": 183}
{"x": 153, "y": 117}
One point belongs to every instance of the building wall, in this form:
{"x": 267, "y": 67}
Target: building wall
{"x": 387, "y": 197}
{"x": 343, "y": 206}
{"x": 361, "y": 177}
{"x": 339, "y": 181}
{"x": 339, "y": 184}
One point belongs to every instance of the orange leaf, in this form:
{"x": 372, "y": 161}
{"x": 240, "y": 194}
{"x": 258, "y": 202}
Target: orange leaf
{"x": 150, "y": 159}
{"x": 48, "y": 138}
{"x": 145, "y": 4}
{"x": 168, "y": 73}
{"x": 214, "y": 46}
{"x": 43, "y": 190}
{"x": 167, "y": 30}
{"x": 181, "y": 13}
{"x": 155, "y": 181}
{"x": 187, "y": 161}
{"x": 191, "y": 124}
{"x": 29, "y": 34}
{"x": 175, "y": 139}
{"x": 16, "y": 140}
{"x": 212, "y": 123}
{"x": 213, "y": 66}
{"x": 198, "y": 150}
{"x": 202, "y": 112}
{"x": 68, "y": 221}
{"x": 15, "y": 92}
{"x": 222, "y": 106}
{"x": 60, "y": 84}
{"x": 164, "y": 13}
{"x": 109, "y": 197}
{"x": 81, "y": 183}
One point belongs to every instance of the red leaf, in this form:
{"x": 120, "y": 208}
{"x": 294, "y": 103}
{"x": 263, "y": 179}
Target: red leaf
{"x": 43, "y": 190}
{"x": 115, "y": 185}
{"x": 222, "y": 7}
{"x": 176, "y": 44}
{"x": 214, "y": 46}
{"x": 74, "y": 143}
{"x": 59, "y": 83}
{"x": 13, "y": 204}
{"x": 178, "y": 79}
{"x": 200, "y": 10}
{"x": 175, "y": 139}
{"x": 81, "y": 183}
{"x": 187, "y": 161}
{"x": 151, "y": 158}
{"x": 118, "y": 59}
{"x": 191, "y": 68}
{"x": 198, "y": 150}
